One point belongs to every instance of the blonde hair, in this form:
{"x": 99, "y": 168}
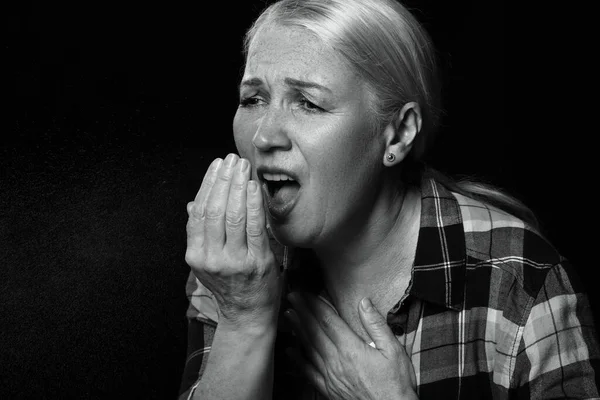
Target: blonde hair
{"x": 392, "y": 53}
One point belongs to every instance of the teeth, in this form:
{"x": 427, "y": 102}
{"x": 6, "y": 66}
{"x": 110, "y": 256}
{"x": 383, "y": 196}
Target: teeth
{"x": 277, "y": 177}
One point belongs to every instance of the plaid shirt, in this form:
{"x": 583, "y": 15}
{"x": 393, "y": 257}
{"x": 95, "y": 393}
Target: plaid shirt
{"x": 492, "y": 311}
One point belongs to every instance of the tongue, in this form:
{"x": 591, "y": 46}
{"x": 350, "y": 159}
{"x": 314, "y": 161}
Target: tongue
{"x": 286, "y": 193}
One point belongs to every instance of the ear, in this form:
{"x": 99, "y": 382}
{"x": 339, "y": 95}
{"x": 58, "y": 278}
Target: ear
{"x": 401, "y": 132}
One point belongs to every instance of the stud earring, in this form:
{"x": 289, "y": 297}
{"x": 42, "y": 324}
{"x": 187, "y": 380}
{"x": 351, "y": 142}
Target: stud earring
{"x": 391, "y": 157}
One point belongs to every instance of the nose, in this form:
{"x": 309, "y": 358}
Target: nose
{"x": 272, "y": 132}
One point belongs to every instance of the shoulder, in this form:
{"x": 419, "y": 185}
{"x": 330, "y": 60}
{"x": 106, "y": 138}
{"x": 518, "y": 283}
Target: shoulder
{"x": 494, "y": 235}
{"x": 505, "y": 251}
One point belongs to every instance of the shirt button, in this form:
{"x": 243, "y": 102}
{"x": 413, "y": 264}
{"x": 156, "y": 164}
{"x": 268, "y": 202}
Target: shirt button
{"x": 397, "y": 329}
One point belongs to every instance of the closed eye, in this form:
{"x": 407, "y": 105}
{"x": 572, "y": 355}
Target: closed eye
{"x": 305, "y": 104}
{"x": 309, "y": 106}
{"x": 250, "y": 101}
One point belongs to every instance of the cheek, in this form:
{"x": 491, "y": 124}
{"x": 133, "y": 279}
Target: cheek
{"x": 344, "y": 167}
{"x": 333, "y": 167}
{"x": 344, "y": 152}
{"x": 242, "y": 135}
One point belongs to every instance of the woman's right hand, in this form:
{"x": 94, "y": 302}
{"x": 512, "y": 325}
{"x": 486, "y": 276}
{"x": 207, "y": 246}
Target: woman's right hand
{"x": 228, "y": 245}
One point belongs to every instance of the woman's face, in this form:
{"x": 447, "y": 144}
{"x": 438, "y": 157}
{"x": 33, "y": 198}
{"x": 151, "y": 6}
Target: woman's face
{"x": 304, "y": 115}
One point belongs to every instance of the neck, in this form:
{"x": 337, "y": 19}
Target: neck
{"x": 379, "y": 251}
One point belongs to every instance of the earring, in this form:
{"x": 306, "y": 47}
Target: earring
{"x": 391, "y": 157}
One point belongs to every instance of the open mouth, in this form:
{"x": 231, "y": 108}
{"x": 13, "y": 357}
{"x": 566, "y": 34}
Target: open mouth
{"x": 274, "y": 187}
{"x": 281, "y": 193}
{"x": 279, "y": 183}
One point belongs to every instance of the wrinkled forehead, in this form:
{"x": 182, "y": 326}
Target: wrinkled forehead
{"x": 272, "y": 36}
{"x": 293, "y": 50}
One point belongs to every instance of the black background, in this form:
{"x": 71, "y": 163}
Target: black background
{"x": 114, "y": 112}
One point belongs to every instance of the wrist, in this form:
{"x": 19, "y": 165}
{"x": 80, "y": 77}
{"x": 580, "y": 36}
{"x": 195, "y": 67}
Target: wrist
{"x": 249, "y": 328}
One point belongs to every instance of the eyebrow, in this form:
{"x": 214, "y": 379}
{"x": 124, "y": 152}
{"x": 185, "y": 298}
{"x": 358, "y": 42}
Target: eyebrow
{"x": 306, "y": 85}
{"x": 254, "y": 82}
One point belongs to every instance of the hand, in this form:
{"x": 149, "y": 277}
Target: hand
{"x": 339, "y": 363}
{"x": 228, "y": 246}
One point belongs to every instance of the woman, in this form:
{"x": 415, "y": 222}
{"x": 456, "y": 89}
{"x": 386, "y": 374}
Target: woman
{"x": 397, "y": 283}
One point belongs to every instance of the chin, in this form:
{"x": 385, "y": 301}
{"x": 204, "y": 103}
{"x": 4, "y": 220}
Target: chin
{"x": 289, "y": 236}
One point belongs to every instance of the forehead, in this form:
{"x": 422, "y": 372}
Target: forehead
{"x": 294, "y": 52}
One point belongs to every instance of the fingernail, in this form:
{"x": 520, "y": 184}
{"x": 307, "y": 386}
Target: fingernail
{"x": 366, "y": 304}
{"x": 252, "y": 186}
{"x": 229, "y": 160}
{"x": 245, "y": 165}
{"x": 217, "y": 163}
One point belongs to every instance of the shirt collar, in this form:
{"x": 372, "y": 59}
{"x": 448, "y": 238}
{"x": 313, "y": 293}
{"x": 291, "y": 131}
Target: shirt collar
{"x": 439, "y": 271}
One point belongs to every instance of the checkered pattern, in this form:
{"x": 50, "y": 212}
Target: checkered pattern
{"x": 493, "y": 311}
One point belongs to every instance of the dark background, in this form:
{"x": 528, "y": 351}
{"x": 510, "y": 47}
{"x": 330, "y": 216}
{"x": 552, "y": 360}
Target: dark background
{"x": 114, "y": 112}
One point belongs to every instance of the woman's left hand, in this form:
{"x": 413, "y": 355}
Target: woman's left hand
{"x": 339, "y": 363}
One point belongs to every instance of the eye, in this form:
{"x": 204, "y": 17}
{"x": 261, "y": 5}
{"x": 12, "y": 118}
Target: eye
{"x": 250, "y": 101}
{"x": 309, "y": 106}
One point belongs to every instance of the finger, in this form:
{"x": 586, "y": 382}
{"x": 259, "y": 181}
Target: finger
{"x": 377, "y": 328}
{"x": 214, "y": 217}
{"x": 209, "y": 179}
{"x": 196, "y": 208}
{"x": 256, "y": 230}
{"x": 235, "y": 215}
{"x": 312, "y": 374}
{"x": 307, "y": 342}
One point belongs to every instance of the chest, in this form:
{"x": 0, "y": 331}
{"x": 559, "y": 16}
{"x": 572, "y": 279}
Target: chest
{"x": 346, "y": 300}
{"x": 455, "y": 355}
{"x": 384, "y": 302}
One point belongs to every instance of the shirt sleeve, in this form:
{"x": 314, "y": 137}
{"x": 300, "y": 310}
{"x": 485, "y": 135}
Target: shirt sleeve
{"x": 202, "y": 317}
{"x": 558, "y": 355}
{"x": 200, "y": 336}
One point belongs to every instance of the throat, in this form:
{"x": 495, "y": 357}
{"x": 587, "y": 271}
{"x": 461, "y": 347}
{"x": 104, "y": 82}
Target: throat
{"x": 378, "y": 266}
